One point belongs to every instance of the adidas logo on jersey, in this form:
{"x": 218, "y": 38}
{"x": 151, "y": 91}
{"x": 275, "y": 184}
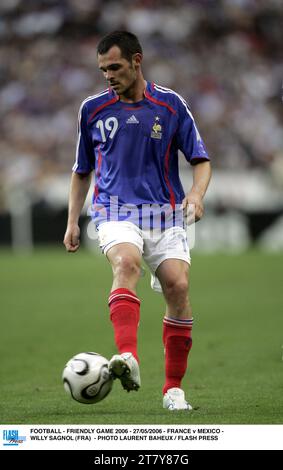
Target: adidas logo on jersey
{"x": 132, "y": 120}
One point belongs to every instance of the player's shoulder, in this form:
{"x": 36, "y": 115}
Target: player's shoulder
{"x": 94, "y": 102}
{"x": 169, "y": 96}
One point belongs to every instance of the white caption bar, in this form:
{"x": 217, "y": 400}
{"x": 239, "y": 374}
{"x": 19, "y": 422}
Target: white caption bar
{"x": 125, "y": 437}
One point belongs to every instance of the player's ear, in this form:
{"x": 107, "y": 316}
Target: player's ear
{"x": 137, "y": 59}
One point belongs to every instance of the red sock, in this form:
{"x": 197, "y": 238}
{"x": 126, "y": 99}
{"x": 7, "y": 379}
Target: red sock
{"x": 125, "y": 315}
{"x": 177, "y": 342}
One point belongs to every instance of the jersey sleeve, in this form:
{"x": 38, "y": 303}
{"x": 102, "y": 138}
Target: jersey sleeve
{"x": 188, "y": 136}
{"x": 85, "y": 159}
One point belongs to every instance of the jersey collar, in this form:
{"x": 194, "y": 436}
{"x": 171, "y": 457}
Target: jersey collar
{"x": 148, "y": 89}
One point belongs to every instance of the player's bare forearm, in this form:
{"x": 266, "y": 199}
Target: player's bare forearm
{"x": 201, "y": 178}
{"x": 78, "y": 191}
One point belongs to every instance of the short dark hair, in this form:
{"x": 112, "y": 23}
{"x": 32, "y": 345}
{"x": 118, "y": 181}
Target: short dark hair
{"x": 127, "y": 42}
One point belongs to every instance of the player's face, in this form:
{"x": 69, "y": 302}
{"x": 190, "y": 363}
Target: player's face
{"x": 118, "y": 71}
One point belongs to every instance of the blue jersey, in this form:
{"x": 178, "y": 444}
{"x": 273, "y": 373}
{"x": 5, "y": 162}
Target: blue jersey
{"x": 133, "y": 147}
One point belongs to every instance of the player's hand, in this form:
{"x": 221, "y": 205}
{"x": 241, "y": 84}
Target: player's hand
{"x": 193, "y": 207}
{"x": 72, "y": 238}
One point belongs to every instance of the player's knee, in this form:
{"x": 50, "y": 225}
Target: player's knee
{"x": 126, "y": 266}
{"x": 176, "y": 290}
{"x": 177, "y": 297}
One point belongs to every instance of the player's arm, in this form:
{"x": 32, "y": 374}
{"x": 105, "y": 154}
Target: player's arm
{"x": 201, "y": 178}
{"x": 190, "y": 143}
{"x": 80, "y": 181}
{"x": 80, "y": 184}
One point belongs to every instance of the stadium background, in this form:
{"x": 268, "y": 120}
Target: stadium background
{"x": 226, "y": 58}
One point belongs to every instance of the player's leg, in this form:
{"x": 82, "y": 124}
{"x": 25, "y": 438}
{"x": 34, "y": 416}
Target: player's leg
{"x": 124, "y": 304}
{"x": 125, "y": 260}
{"x": 173, "y": 275}
{"x": 122, "y": 245}
{"x": 168, "y": 258}
{"x": 177, "y": 326}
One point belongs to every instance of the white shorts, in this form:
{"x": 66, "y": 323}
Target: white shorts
{"x": 155, "y": 247}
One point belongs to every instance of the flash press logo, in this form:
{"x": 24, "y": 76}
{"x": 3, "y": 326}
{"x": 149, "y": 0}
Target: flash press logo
{"x": 11, "y": 437}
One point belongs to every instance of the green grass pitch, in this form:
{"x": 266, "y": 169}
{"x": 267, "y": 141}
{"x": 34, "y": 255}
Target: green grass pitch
{"x": 54, "y": 305}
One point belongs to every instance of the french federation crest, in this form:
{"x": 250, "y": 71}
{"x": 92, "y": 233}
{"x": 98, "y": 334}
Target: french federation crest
{"x": 156, "y": 132}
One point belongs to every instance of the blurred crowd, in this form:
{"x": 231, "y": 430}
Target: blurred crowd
{"x": 225, "y": 57}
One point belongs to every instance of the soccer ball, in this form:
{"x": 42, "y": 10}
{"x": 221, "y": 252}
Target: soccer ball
{"x": 86, "y": 377}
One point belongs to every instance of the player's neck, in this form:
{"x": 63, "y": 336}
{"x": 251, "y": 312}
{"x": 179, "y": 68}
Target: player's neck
{"x": 135, "y": 93}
